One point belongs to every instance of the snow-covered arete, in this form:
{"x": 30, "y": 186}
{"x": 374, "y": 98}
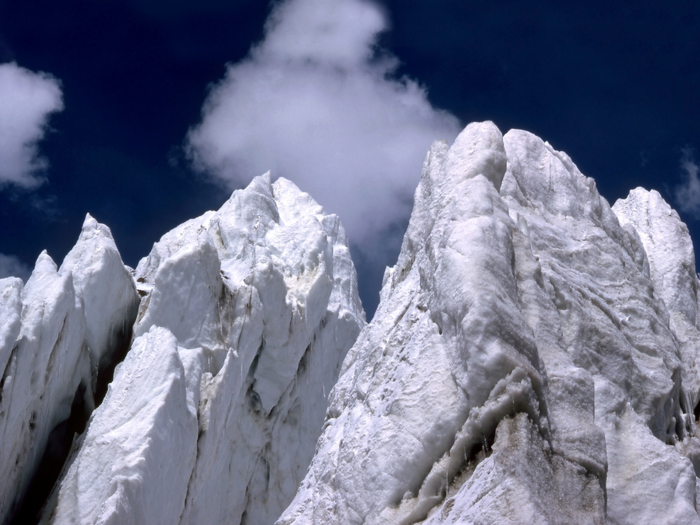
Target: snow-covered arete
{"x": 522, "y": 366}
{"x": 252, "y": 309}
{"x": 58, "y": 333}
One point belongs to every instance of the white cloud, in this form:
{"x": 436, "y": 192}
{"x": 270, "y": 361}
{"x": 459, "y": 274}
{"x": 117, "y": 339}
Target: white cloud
{"x": 11, "y": 266}
{"x": 688, "y": 192}
{"x": 26, "y": 100}
{"x": 316, "y": 102}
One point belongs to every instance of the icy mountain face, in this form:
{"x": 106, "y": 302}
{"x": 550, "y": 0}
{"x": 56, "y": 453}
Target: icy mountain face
{"x": 247, "y": 314}
{"x": 671, "y": 258}
{"x": 139, "y": 452}
{"x": 615, "y": 323}
{"x": 532, "y": 360}
{"x": 58, "y": 336}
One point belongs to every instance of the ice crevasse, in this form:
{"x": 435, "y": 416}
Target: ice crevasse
{"x": 533, "y": 359}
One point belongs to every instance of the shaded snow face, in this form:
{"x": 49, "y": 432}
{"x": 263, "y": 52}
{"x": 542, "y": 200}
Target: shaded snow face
{"x": 617, "y": 323}
{"x": 523, "y": 364}
{"x": 251, "y": 310}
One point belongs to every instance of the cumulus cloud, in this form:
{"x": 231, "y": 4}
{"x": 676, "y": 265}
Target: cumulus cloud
{"x": 317, "y": 102}
{"x": 26, "y": 101}
{"x": 688, "y": 192}
{"x": 11, "y": 266}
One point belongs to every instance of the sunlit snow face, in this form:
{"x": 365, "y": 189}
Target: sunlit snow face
{"x": 315, "y": 102}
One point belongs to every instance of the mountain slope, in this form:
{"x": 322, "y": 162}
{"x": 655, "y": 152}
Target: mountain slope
{"x": 534, "y": 359}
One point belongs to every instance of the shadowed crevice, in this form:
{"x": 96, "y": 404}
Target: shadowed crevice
{"x": 57, "y": 449}
{"x": 121, "y": 343}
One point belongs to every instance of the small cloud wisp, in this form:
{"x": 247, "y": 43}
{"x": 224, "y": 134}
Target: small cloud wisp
{"x": 26, "y": 101}
{"x": 688, "y": 192}
{"x": 11, "y": 266}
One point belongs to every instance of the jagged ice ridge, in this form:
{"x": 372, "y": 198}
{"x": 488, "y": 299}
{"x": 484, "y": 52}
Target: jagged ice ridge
{"x": 533, "y": 359}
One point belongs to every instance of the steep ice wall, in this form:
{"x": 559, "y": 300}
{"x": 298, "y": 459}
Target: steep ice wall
{"x": 459, "y": 343}
{"x": 522, "y": 366}
{"x": 108, "y": 298}
{"x": 615, "y": 325}
{"x": 251, "y": 309}
{"x": 10, "y": 312}
{"x": 57, "y": 335}
{"x": 534, "y": 359}
{"x": 671, "y": 257}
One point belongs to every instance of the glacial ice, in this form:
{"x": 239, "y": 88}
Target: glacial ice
{"x": 59, "y": 332}
{"x": 533, "y": 359}
{"x": 138, "y": 454}
{"x": 247, "y": 314}
{"x": 522, "y": 366}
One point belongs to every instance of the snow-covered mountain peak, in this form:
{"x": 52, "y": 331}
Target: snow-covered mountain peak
{"x": 533, "y": 359}
{"x": 74, "y": 325}
{"x": 258, "y": 304}
{"x": 44, "y": 265}
{"x": 477, "y": 150}
{"x": 668, "y": 248}
{"x": 520, "y": 353}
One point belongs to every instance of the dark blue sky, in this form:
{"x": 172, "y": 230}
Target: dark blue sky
{"x": 614, "y": 84}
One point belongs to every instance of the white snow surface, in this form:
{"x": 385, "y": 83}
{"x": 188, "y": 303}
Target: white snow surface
{"x": 251, "y": 309}
{"x": 54, "y": 334}
{"x": 10, "y": 311}
{"x": 100, "y": 276}
{"x": 137, "y": 457}
{"x": 671, "y": 257}
{"x": 532, "y": 359}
